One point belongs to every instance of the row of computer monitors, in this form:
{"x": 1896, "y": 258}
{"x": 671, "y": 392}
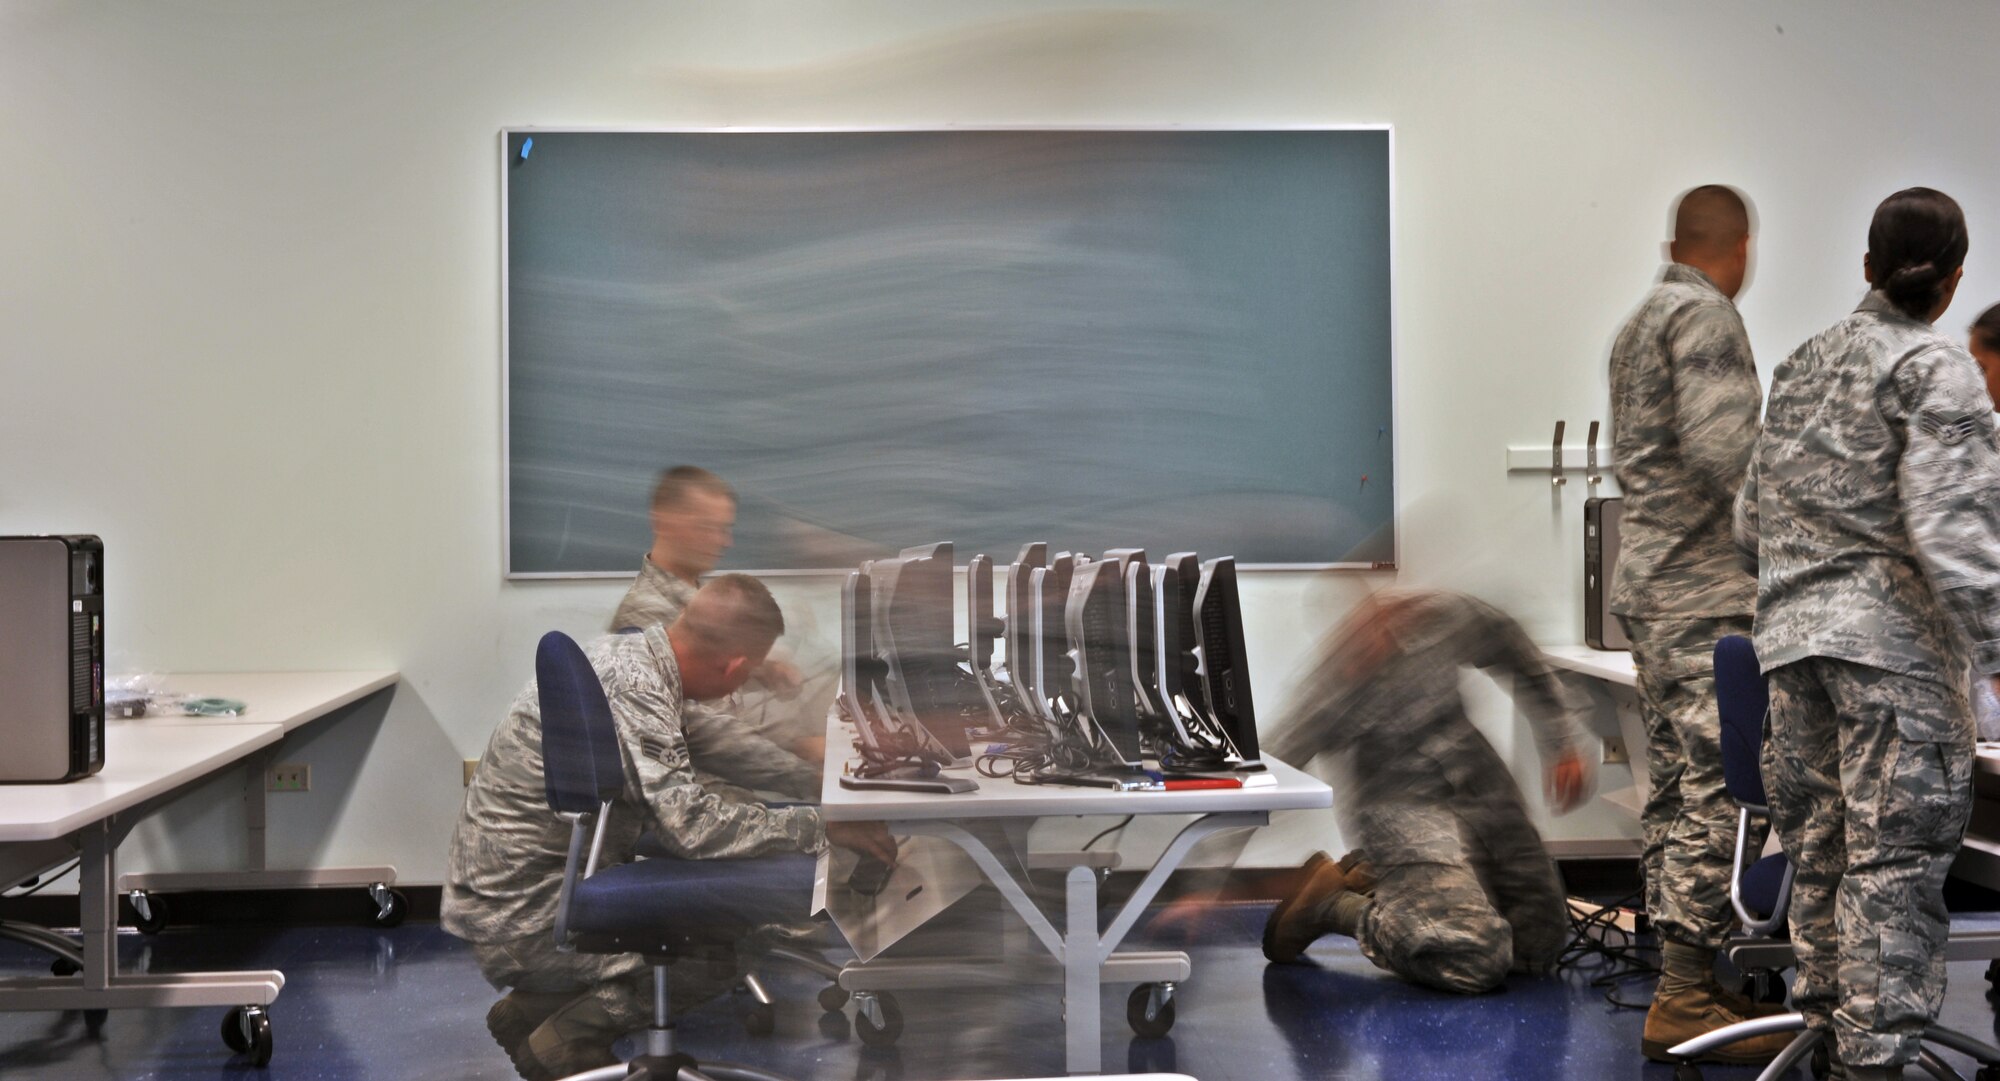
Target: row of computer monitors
{"x": 1104, "y": 655}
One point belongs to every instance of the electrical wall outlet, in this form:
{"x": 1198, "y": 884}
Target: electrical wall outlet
{"x": 1615, "y": 753}
{"x": 471, "y": 765}
{"x": 289, "y": 777}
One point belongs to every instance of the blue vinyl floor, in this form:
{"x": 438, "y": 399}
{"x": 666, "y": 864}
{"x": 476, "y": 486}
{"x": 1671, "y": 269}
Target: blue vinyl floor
{"x": 409, "y": 1002}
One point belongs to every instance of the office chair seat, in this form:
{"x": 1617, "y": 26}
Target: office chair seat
{"x": 671, "y": 906}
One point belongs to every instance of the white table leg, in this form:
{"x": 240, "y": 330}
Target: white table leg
{"x": 100, "y": 986}
{"x": 1082, "y": 950}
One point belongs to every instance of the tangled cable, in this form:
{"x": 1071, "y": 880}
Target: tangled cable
{"x": 1597, "y": 942}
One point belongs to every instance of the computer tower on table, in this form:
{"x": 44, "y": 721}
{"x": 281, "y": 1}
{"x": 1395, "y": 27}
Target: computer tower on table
{"x": 51, "y": 658}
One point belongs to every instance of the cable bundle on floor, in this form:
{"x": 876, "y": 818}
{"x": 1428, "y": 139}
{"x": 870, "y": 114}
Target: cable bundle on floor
{"x": 1597, "y": 943}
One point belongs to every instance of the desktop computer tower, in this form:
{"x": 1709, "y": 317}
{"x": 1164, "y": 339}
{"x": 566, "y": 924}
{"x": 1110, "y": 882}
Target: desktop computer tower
{"x": 51, "y": 658}
{"x": 1601, "y": 629}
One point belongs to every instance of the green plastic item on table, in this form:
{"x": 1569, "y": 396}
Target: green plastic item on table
{"x": 214, "y": 707}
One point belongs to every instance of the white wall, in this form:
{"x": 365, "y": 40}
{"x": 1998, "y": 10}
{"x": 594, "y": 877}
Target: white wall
{"x": 249, "y": 301}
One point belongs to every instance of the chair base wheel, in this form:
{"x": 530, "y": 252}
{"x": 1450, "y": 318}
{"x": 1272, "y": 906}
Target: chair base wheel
{"x": 832, "y": 997}
{"x": 1687, "y": 1071}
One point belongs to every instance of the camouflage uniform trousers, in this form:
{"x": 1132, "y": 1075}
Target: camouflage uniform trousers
{"x": 1466, "y": 891}
{"x": 1689, "y": 822}
{"x": 1870, "y": 781}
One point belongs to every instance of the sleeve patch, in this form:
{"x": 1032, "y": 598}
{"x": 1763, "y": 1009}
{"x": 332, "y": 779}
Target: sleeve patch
{"x": 654, "y": 748}
{"x": 1709, "y": 363}
{"x": 1950, "y": 430}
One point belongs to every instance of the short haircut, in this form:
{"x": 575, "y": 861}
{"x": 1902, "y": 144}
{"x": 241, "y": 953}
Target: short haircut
{"x": 733, "y": 615}
{"x": 1986, "y": 328}
{"x": 1915, "y": 242}
{"x": 1710, "y": 219}
{"x": 675, "y": 484}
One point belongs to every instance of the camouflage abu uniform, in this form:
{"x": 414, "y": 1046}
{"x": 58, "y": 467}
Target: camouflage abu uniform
{"x": 1466, "y": 891}
{"x": 507, "y": 852}
{"x": 1684, "y": 399}
{"x": 1872, "y": 511}
{"x": 732, "y": 760}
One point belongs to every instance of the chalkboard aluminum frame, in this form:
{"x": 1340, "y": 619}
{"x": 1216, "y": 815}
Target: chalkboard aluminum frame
{"x": 506, "y": 442}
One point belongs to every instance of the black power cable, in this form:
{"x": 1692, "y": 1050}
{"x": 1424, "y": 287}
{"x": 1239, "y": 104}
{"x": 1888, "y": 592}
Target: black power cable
{"x": 1615, "y": 954}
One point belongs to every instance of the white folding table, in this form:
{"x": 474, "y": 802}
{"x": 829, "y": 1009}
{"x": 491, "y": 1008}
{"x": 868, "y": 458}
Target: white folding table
{"x": 43, "y": 826}
{"x": 148, "y": 762}
{"x": 1085, "y": 956}
{"x": 290, "y": 700}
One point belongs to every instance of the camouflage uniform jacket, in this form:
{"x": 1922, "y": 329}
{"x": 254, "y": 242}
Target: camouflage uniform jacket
{"x": 724, "y": 748}
{"x": 1400, "y": 730}
{"x": 656, "y": 597}
{"x": 1872, "y": 506}
{"x": 507, "y": 852}
{"x": 1684, "y": 398}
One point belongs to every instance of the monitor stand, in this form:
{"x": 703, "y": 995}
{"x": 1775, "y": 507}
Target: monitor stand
{"x": 909, "y": 779}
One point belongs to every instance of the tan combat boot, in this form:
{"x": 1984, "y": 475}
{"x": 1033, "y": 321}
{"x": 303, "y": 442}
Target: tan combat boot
{"x": 511, "y": 1019}
{"x": 1301, "y": 918}
{"x": 574, "y": 1039}
{"x": 1689, "y": 1003}
{"x": 1361, "y": 877}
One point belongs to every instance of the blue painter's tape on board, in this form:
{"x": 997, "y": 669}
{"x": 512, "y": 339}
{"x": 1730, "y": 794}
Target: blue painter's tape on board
{"x": 526, "y": 145}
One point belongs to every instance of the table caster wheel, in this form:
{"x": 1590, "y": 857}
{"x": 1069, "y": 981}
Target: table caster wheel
{"x": 390, "y": 905}
{"x": 247, "y": 1029}
{"x": 1150, "y": 1009}
{"x": 93, "y": 1022}
{"x": 149, "y": 913}
{"x": 877, "y": 1019}
{"x": 832, "y": 997}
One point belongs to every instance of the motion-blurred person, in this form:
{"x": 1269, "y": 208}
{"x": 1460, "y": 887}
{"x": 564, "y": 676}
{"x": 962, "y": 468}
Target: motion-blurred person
{"x": 563, "y": 1009}
{"x": 694, "y": 516}
{"x": 1872, "y": 514}
{"x": 1451, "y": 886}
{"x": 1684, "y": 399}
{"x": 1985, "y": 348}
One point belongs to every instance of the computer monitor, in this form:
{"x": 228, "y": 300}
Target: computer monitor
{"x": 1050, "y": 682}
{"x": 982, "y": 632}
{"x": 1176, "y": 666}
{"x": 1139, "y": 639}
{"x": 1123, "y": 556}
{"x": 1095, "y": 619}
{"x": 861, "y": 671}
{"x": 912, "y": 613}
{"x": 1021, "y": 617}
{"x": 1224, "y": 662}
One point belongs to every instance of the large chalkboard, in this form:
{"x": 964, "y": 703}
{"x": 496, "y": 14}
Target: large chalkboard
{"x": 1098, "y": 338}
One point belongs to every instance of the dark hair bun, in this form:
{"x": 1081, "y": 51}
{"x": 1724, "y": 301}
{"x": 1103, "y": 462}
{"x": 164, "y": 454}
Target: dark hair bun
{"x": 1914, "y": 288}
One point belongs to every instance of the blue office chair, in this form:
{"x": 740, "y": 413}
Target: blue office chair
{"x": 1761, "y": 893}
{"x": 667, "y": 909}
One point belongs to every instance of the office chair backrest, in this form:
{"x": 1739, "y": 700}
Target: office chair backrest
{"x": 1742, "y": 699}
{"x": 581, "y": 768}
